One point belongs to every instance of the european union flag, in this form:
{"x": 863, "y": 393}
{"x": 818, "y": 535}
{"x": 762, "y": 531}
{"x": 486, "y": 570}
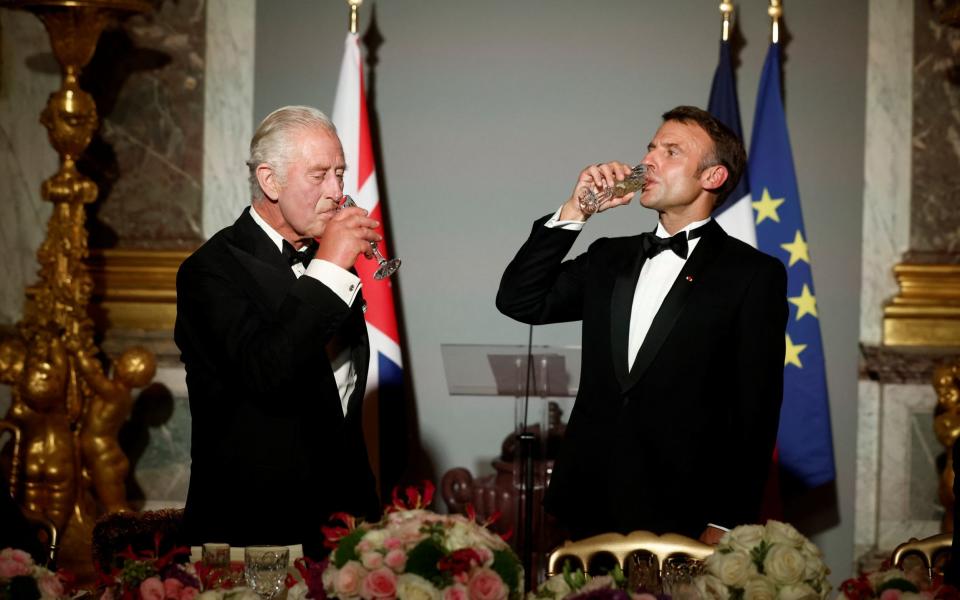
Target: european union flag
{"x": 735, "y": 215}
{"x": 804, "y": 441}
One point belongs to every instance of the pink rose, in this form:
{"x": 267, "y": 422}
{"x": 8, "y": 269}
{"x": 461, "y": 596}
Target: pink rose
{"x": 50, "y": 586}
{"x": 372, "y": 560}
{"x": 486, "y": 555}
{"x": 396, "y": 559}
{"x": 364, "y": 546}
{"x": 188, "y": 593}
{"x": 456, "y": 592}
{"x": 152, "y": 589}
{"x": 487, "y": 585}
{"x": 14, "y": 563}
{"x": 172, "y": 588}
{"x": 392, "y": 543}
{"x": 380, "y": 583}
{"x": 348, "y": 579}
{"x": 890, "y": 594}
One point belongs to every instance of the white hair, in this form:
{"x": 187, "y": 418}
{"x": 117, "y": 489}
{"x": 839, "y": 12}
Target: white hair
{"x": 271, "y": 143}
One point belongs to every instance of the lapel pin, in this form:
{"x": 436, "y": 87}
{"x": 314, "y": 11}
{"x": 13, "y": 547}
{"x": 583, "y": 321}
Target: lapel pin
{"x": 689, "y": 278}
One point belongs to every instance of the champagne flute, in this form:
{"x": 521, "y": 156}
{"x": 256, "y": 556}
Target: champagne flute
{"x": 387, "y": 267}
{"x": 591, "y": 201}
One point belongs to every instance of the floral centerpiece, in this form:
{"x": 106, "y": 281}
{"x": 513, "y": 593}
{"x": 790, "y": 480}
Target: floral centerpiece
{"x": 576, "y": 585}
{"x": 764, "y": 562}
{"x": 147, "y": 575}
{"x": 414, "y": 554}
{"x": 21, "y": 578}
{"x": 897, "y": 584}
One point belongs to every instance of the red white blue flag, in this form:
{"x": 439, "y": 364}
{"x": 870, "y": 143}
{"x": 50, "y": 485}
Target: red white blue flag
{"x": 385, "y": 376}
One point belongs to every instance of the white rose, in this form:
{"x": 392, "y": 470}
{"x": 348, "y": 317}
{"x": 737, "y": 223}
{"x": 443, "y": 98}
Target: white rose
{"x": 242, "y": 593}
{"x": 557, "y": 586}
{"x": 743, "y": 538}
{"x": 298, "y": 592}
{"x": 800, "y": 591}
{"x": 732, "y": 568}
{"x": 711, "y": 588}
{"x": 759, "y": 588}
{"x": 783, "y": 533}
{"x": 814, "y": 569}
{"x": 414, "y": 587}
{"x": 210, "y": 595}
{"x": 785, "y": 565}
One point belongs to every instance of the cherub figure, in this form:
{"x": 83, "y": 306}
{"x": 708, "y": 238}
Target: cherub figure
{"x": 39, "y": 408}
{"x": 109, "y": 408}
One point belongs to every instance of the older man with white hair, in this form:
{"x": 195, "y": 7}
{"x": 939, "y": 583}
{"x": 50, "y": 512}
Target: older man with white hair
{"x": 271, "y": 330}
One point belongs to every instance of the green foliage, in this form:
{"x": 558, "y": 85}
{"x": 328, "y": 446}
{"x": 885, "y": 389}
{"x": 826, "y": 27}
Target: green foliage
{"x": 347, "y": 548}
{"x": 897, "y": 584}
{"x": 506, "y": 565}
{"x": 758, "y": 554}
{"x": 575, "y": 579}
{"x": 423, "y": 558}
{"x": 135, "y": 571}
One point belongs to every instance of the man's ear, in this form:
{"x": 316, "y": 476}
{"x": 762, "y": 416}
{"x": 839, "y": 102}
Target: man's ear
{"x": 268, "y": 180}
{"x": 713, "y": 177}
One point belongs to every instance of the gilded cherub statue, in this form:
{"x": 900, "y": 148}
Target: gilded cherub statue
{"x": 108, "y": 409}
{"x": 40, "y": 372}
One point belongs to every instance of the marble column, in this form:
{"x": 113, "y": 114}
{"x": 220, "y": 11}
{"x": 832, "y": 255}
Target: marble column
{"x": 910, "y": 229}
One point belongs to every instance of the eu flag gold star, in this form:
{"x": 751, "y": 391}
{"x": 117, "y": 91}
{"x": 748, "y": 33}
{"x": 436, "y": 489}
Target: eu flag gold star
{"x": 797, "y": 249}
{"x": 806, "y": 303}
{"x": 766, "y": 207}
{"x": 792, "y": 355}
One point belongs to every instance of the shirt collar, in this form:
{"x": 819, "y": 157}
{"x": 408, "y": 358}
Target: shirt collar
{"x": 662, "y": 231}
{"x": 272, "y": 233}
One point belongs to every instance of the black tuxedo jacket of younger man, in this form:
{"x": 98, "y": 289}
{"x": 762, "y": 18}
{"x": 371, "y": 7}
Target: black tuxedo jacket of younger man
{"x": 272, "y": 453}
{"x": 685, "y": 437}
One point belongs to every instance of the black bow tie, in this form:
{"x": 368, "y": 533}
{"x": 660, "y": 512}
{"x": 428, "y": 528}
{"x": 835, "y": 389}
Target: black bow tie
{"x": 651, "y": 245}
{"x": 303, "y": 256}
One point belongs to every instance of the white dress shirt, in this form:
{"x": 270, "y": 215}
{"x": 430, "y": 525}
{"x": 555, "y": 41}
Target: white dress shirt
{"x": 656, "y": 279}
{"x": 341, "y": 282}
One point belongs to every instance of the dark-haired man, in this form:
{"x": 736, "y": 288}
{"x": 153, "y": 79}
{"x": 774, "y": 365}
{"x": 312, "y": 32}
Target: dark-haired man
{"x": 683, "y": 343}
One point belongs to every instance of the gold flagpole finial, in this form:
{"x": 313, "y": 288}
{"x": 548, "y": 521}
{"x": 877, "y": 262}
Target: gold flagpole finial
{"x": 354, "y": 5}
{"x": 775, "y": 11}
{"x": 726, "y": 9}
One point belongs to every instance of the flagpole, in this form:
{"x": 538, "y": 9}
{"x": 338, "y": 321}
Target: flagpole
{"x": 775, "y": 11}
{"x": 726, "y": 9}
{"x": 354, "y": 5}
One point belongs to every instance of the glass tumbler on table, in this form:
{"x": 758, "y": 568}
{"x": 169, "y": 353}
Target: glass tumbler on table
{"x": 265, "y": 568}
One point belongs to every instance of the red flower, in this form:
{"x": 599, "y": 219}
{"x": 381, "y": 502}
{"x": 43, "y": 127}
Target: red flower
{"x": 460, "y": 561}
{"x": 415, "y": 499}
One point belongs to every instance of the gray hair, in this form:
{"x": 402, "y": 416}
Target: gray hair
{"x": 271, "y": 142}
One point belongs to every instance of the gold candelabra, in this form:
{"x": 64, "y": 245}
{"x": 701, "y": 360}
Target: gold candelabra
{"x": 68, "y": 411}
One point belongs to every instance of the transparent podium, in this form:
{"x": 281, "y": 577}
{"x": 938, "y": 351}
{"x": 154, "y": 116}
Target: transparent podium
{"x": 537, "y": 382}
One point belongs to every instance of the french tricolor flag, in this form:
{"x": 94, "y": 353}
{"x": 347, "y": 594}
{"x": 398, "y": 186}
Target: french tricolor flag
{"x": 385, "y": 376}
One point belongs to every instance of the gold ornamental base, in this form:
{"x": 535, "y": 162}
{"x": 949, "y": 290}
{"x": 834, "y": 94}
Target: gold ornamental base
{"x": 926, "y": 312}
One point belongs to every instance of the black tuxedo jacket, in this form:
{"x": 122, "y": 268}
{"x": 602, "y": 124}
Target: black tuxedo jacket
{"x": 272, "y": 453}
{"x": 685, "y": 437}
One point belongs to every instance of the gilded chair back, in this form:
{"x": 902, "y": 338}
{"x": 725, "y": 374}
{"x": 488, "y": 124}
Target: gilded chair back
{"x": 933, "y": 550}
{"x": 666, "y": 549}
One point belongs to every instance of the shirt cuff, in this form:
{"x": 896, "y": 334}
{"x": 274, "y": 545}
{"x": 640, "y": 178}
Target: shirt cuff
{"x": 341, "y": 282}
{"x": 555, "y": 223}
{"x": 720, "y": 527}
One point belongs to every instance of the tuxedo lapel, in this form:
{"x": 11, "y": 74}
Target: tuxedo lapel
{"x": 261, "y": 259}
{"x": 620, "y": 304}
{"x": 675, "y": 301}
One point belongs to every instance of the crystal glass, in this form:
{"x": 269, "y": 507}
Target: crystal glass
{"x": 216, "y": 556}
{"x": 265, "y": 568}
{"x": 387, "y": 267}
{"x": 591, "y": 201}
